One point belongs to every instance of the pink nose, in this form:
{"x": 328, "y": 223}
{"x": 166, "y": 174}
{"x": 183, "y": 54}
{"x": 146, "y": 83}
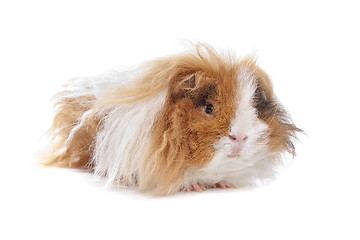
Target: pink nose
{"x": 241, "y": 138}
{"x": 238, "y": 140}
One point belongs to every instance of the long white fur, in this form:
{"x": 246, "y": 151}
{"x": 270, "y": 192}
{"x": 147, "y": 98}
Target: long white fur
{"x": 98, "y": 85}
{"x": 122, "y": 144}
{"x": 95, "y": 86}
{"x": 77, "y": 127}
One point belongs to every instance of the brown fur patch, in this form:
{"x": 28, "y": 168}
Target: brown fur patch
{"x": 77, "y": 152}
{"x": 282, "y": 131}
{"x": 184, "y": 134}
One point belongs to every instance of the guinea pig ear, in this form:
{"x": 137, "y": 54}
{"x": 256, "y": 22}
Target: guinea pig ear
{"x": 264, "y": 82}
{"x": 282, "y": 131}
{"x": 261, "y": 78}
{"x": 183, "y": 87}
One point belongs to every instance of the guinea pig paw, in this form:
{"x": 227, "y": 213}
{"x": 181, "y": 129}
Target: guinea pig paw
{"x": 223, "y": 185}
{"x": 195, "y": 187}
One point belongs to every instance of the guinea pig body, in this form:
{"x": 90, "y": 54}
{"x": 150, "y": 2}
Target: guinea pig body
{"x": 189, "y": 121}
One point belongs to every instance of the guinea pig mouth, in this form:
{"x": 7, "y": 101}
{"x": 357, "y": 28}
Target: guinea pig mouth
{"x": 236, "y": 150}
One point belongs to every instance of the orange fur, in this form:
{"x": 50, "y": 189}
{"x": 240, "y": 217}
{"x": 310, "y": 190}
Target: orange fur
{"x": 77, "y": 152}
{"x": 183, "y": 136}
{"x": 281, "y": 135}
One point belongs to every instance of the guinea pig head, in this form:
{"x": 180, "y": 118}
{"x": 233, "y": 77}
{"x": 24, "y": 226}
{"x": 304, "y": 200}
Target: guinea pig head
{"x": 221, "y": 123}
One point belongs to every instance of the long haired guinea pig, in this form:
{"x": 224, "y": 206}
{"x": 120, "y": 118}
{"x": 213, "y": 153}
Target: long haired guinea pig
{"x": 185, "y": 122}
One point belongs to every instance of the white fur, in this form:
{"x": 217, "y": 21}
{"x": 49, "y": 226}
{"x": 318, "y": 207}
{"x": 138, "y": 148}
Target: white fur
{"x": 123, "y": 142}
{"x": 98, "y": 85}
{"x": 254, "y": 161}
{"x": 77, "y": 127}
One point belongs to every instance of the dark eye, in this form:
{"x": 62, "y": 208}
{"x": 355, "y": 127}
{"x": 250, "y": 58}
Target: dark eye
{"x": 209, "y": 108}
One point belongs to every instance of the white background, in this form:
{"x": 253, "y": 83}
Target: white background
{"x": 309, "y": 48}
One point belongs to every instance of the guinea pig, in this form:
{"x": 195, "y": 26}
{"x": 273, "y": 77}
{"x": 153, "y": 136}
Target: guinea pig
{"x": 187, "y": 122}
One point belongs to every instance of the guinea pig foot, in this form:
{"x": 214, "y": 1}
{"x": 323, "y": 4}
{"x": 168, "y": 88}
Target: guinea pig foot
{"x": 195, "y": 187}
{"x": 223, "y": 185}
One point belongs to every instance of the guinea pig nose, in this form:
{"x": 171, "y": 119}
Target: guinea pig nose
{"x": 238, "y": 137}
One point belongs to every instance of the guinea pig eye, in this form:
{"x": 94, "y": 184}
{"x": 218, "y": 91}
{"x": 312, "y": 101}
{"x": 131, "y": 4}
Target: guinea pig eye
{"x": 209, "y": 108}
